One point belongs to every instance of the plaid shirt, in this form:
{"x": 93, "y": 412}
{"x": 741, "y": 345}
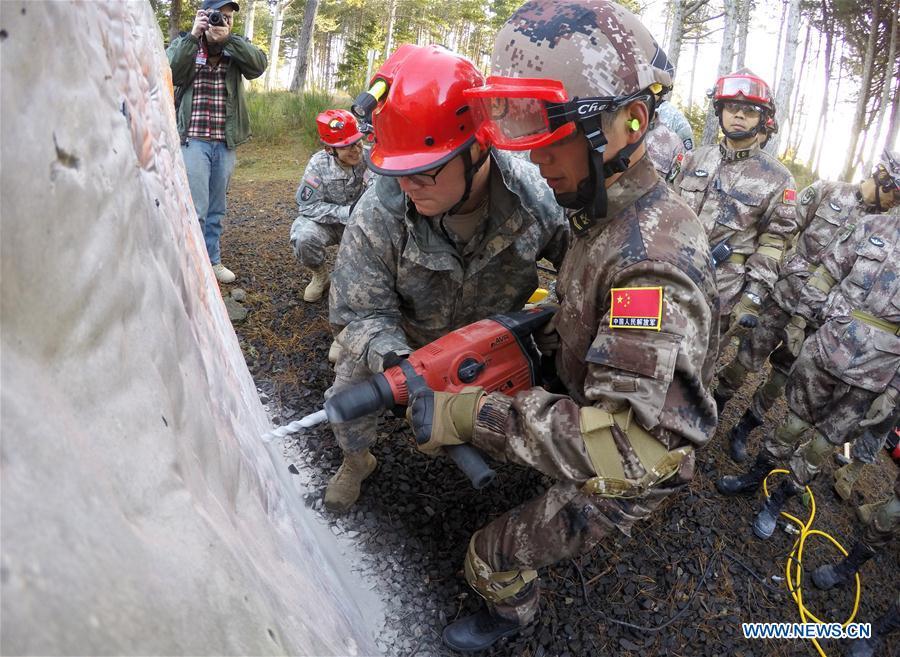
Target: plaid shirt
{"x": 208, "y": 106}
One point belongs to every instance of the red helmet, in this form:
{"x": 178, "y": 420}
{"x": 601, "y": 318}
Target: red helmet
{"x": 338, "y": 128}
{"x": 743, "y": 86}
{"x": 424, "y": 120}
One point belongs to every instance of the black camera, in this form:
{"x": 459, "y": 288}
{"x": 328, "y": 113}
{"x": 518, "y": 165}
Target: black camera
{"x": 216, "y": 19}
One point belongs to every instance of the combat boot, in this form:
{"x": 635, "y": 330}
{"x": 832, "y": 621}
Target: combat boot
{"x": 478, "y": 631}
{"x": 721, "y": 398}
{"x": 317, "y": 284}
{"x": 828, "y": 576}
{"x": 845, "y": 477}
{"x": 886, "y": 624}
{"x": 766, "y": 520}
{"x": 750, "y": 481}
{"x": 343, "y": 488}
{"x": 740, "y": 433}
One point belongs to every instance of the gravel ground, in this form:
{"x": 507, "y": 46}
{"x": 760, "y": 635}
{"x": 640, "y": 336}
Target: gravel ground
{"x": 693, "y": 570}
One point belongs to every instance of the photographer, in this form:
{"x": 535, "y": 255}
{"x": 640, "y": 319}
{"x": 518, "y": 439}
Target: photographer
{"x": 207, "y": 66}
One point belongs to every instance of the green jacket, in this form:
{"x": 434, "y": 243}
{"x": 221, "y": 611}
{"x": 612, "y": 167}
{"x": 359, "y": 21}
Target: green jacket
{"x": 246, "y": 60}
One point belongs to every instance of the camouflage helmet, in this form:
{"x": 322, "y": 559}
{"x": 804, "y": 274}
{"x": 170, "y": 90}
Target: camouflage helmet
{"x": 594, "y": 47}
{"x": 889, "y": 170}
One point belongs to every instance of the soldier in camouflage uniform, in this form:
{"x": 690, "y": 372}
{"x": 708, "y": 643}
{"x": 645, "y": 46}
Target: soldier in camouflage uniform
{"x": 449, "y": 234}
{"x": 745, "y": 199}
{"x": 637, "y": 323}
{"x": 825, "y": 209}
{"x": 332, "y": 183}
{"x": 847, "y": 375}
{"x": 675, "y": 120}
{"x": 665, "y": 149}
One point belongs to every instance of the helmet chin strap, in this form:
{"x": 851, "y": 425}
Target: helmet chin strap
{"x": 470, "y": 169}
{"x": 739, "y": 135}
{"x": 590, "y": 195}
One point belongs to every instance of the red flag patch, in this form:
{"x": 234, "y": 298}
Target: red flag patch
{"x": 789, "y": 197}
{"x": 636, "y": 307}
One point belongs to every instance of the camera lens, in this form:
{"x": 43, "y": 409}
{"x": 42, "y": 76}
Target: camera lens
{"x": 216, "y": 18}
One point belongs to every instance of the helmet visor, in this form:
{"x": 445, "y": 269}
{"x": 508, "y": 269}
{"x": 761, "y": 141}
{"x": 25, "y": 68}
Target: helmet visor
{"x": 737, "y": 87}
{"x": 512, "y": 113}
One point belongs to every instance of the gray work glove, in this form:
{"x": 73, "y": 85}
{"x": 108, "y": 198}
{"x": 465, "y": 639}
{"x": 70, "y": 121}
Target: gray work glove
{"x": 881, "y": 409}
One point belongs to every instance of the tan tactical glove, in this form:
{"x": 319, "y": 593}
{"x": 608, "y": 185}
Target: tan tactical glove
{"x": 546, "y": 338}
{"x": 795, "y": 334}
{"x": 441, "y": 419}
{"x": 881, "y": 409}
{"x": 746, "y": 311}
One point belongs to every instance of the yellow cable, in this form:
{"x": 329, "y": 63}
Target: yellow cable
{"x": 795, "y": 559}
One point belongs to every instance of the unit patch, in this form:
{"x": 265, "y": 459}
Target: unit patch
{"x": 808, "y": 196}
{"x": 306, "y": 193}
{"x": 636, "y": 308}
{"x": 834, "y": 206}
{"x": 700, "y": 173}
{"x": 877, "y": 241}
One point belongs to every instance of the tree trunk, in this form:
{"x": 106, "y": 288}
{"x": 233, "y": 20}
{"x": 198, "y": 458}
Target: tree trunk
{"x": 389, "y": 37}
{"x": 249, "y": 19}
{"x": 786, "y": 83}
{"x": 304, "y": 41}
{"x": 743, "y": 27}
{"x": 726, "y": 54}
{"x": 818, "y": 140}
{"x": 885, "y": 93}
{"x": 275, "y": 43}
{"x": 174, "y": 19}
{"x": 894, "y": 125}
{"x": 862, "y": 101}
{"x": 693, "y": 70}
{"x": 780, "y": 39}
{"x": 676, "y": 31}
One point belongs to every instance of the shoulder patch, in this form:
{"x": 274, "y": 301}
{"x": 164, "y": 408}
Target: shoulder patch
{"x": 676, "y": 167}
{"x": 789, "y": 197}
{"x": 701, "y": 173}
{"x": 689, "y": 144}
{"x": 808, "y": 196}
{"x": 834, "y": 206}
{"x": 312, "y": 181}
{"x": 306, "y": 193}
{"x": 877, "y": 241}
{"x": 636, "y": 308}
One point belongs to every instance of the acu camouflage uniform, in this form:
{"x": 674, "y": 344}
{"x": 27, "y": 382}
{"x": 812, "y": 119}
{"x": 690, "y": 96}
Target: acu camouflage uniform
{"x": 855, "y": 355}
{"x": 325, "y": 197}
{"x": 638, "y": 401}
{"x": 665, "y": 149}
{"x": 825, "y": 207}
{"x": 401, "y": 282}
{"x": 745, "y": 198}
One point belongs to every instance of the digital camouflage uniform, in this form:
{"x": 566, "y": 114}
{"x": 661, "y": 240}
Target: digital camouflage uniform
{"x": 665, "y": 149}
{"x": 325, "y": 196}
{"x": 824, "y": 207}
{"x": 855, "y": 355}
{"x": 675, "y": 120}
{"x": 746, "y": 198}
{"x": 638, "y": 401}
{"x": 400, "y": 282}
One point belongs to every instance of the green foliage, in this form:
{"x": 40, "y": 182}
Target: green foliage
{"x": 278, "y": 113}
{"x": 696, "y": 116}
{"x": 803, "y": 175}
{"x": 351, "y": 72}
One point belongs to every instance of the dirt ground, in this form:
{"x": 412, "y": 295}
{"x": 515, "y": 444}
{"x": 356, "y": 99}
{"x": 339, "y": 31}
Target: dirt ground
{"x": 693, "y": 572}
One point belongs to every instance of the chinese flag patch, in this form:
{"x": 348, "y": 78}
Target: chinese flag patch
{"x": 636, "y": 307}
{"x": 789, "y": 197}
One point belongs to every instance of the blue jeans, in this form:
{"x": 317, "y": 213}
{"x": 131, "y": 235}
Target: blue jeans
{"x": 209, "y": 165}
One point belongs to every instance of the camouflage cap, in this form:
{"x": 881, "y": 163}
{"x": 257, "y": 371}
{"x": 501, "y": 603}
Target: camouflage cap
{"x": 594, "y": 47}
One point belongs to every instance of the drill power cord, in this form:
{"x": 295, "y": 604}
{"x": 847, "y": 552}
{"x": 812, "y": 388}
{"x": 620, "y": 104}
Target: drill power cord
{"x": 795, "y": 561}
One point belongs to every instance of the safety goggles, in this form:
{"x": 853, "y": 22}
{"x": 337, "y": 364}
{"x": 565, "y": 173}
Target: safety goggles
{"x": 750, "y": 88}
{"x": 748, "y": 110}
{"x": 521, "y": 114}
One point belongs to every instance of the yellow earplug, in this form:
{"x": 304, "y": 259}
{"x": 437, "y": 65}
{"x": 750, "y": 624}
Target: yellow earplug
{"x": 634, "y": 125}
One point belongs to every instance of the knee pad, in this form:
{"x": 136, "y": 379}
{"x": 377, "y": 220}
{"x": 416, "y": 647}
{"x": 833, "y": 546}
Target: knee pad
{"x": 494, "y": 586}
{"x": 731, "y": 378}
{"x": 769, "y": 392}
